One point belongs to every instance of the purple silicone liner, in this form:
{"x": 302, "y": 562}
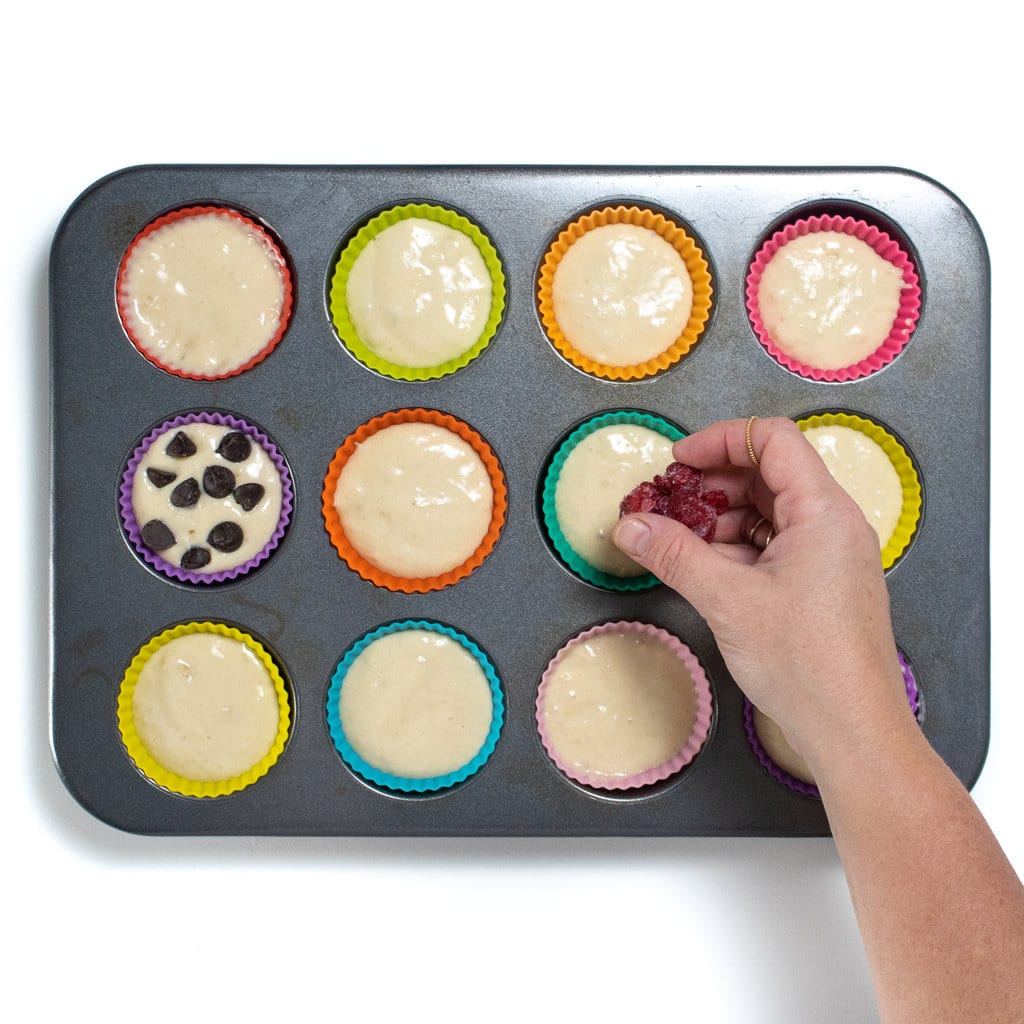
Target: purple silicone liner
{"x": 798, "y": 785}
{"x": 134, "y": 531}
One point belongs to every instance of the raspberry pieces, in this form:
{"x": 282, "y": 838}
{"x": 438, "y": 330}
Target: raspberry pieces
{"x": 679, "y": 494}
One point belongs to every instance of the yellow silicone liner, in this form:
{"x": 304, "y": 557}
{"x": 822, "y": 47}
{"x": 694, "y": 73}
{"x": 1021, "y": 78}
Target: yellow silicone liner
{"x": 142, "y": 758}
{"x": 338, "y": 299}
{"x": 366, "y": 569}
{"x": 691, "y": 255}
{"x": 910, "y": 516}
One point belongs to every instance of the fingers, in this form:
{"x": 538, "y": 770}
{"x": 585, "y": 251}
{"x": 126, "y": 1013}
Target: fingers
{"x": 734, "y": 526}
{"x": 788, "y": 473}
{"x": 699, "y": 571}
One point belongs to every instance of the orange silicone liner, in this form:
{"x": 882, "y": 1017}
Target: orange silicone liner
{"x": 366, "y": 569}
{"x": 687, "y": 248}
{"x": 273, "y": 251}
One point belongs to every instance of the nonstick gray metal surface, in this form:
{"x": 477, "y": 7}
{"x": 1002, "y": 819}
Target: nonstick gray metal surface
{"x": 522, "y": 604}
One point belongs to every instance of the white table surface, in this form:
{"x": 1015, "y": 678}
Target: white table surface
{"x": 595, "y": 930}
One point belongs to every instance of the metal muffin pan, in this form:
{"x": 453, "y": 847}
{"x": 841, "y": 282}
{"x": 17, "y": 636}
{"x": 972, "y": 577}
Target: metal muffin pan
{"x": 522, "y": 604}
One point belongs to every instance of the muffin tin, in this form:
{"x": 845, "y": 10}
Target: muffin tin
{"x": 522, "y": 604}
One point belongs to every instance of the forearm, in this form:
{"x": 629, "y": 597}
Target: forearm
{"x": 940, "y": 908}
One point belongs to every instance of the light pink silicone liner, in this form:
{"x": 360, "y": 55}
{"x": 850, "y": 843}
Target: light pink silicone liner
{"x": 693, "y": 745}
{"x": 906, "y": 316}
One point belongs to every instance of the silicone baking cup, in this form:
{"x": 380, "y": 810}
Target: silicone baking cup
{"x": 144, "y": 760}
{"x": 910, "y": 516}
{"x": 133, "y": 528}
{"x": 903, "y": 325}
{"x": 356, "y": 560}
{"x": 790, "y": 781}
{"x": 400, "y": 783}
{"x": 574, "y": 561}
{"x": 692, "y": 257}
{"x": 264, "y": 340}
{"x": 657, "y": 773}
{"x": 338, "y": 297}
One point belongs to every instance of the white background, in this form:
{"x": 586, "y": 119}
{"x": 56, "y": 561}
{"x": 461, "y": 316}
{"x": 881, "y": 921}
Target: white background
{"x": 702, "y": 930}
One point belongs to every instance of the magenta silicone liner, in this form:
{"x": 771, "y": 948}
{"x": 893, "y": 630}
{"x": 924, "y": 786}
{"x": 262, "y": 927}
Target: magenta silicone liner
{"x": 134, "y": 531}
{"x": 906, "y": 317}
{"x": 693, "y": 745}
{"x": 791, "y": 781}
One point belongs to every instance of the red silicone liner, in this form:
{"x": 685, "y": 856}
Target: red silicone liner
{"x": 273, "y": 250}
{"x": 906, "y": 317}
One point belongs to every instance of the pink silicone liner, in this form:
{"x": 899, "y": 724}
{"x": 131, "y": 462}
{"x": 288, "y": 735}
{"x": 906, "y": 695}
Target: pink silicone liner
{"x": 906, "y": 316}
{"x": 693, "y": 745}
{"x": 134, "y": 530}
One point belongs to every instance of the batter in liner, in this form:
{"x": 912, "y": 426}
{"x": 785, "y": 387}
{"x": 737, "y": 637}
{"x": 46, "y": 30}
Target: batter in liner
{"x": 416, "y": 704}
{"x": 828, "y": 299}
{"x": 415, "y": 499}
{"x": 621, "y": 294}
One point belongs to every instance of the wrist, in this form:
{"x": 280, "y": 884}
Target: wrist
{"x": 864, "y": 745}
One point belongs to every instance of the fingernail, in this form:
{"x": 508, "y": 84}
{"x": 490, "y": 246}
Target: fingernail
{"x": 632, "y": 536}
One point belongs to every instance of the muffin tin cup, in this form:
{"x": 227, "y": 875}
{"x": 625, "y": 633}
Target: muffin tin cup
{"x": 373, "y": 573}
{"x": 689, "y": 252}
{"x": 779, "y": 774}
{"x": 123, "y": 297}
{"x": 133, "y": 529}
{"x": 907, "y": 314}
{"x": 141, "y": 756}
{"x": 403, "y": 784}
{"x": 910, "y": 515}
{"x": 338, "y": 297}
{"x": 658, "y": 773}
{"x": 580, "y": 566}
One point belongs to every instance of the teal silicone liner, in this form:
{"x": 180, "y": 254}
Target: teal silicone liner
{"x": 566, "y": 552}
{"x": 394, "y": 782}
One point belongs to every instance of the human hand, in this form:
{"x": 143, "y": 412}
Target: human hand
{"x": 804, "y": 624}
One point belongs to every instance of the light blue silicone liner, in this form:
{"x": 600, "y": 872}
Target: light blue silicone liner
{"x": 578, "y": 565}
{"x": 395, "y": 782}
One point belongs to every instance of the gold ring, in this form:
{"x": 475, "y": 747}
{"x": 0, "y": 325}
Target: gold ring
{"x": 750, "y": 445}
{"x": 760, "y": 540}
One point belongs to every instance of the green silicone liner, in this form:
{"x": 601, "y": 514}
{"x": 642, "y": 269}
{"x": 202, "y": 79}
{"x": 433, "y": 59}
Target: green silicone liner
{"x": 400, "y": 783}
{"x": 339, "y": 282}
{"x": 578, "y": 565}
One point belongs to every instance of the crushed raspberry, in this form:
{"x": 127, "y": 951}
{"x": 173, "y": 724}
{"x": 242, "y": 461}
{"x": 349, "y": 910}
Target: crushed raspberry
{"x": 643, "y": 498}
{"x": 679, "y": 494}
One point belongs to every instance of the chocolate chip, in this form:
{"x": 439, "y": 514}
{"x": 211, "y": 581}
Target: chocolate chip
{"x": 186, "y": 494}
{"x": 234, "y": 446}
{"x": 159, "y": 477}
{"x": 218, "y": 481}
{"x": 225, "y": 537}
{"x": 195, "y": 558}
{"x": 157, "y": 536}
{"x": 180, "y": 446}
{"x": 249, "y": 495}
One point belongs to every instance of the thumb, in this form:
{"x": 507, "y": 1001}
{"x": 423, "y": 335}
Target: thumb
{"x": 681, "y": 559}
